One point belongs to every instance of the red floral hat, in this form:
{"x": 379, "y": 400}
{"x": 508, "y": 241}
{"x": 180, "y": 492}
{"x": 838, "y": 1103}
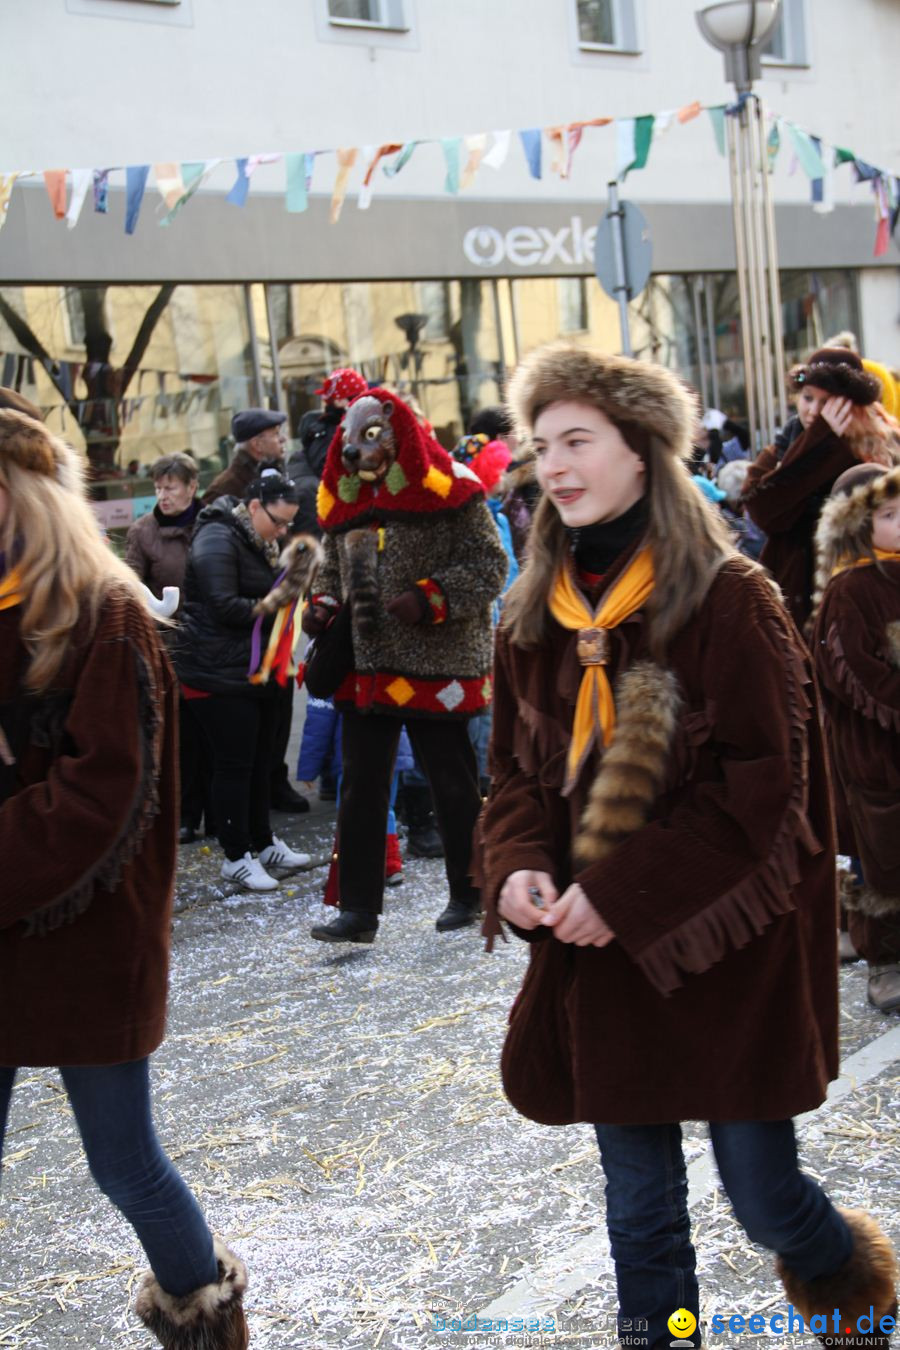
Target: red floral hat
{"x": 343, "y": 383}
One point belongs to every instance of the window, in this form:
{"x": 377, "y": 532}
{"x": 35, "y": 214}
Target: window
{"x": 787, "y": 45}
{"x": 368, "y": 13}
{"x": 573, "y": 305}
{"x": 607, "y": 25}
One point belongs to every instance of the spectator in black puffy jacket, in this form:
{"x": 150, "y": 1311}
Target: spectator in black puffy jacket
{"x": 232, "y": 564}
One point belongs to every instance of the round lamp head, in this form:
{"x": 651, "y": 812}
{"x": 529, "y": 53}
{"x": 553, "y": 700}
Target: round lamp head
{"x": 737, "y": 23}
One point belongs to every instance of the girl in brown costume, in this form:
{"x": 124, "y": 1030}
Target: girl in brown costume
{"x": 660, "y": 831}
{"x": 856, "y": 645}
{"x": 88, "y": 802}
{"x": 839, "y": 423}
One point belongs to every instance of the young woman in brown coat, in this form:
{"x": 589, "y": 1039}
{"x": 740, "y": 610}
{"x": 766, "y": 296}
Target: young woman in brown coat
{"x": 88, "y": 801}
{"x": 660, "y": 831}
{"x": 856, "y": 645}
{"x": 838, "y": 424}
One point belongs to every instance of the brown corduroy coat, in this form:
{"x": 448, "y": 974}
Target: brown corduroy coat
{"x": 718, "y": 998}
{"x": 784, "y": 498}
{"x": 87, "y": 839}
{"x": 856, "y": 643}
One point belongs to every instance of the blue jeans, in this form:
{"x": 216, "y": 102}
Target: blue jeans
{"x": 111, "y": 1105}
{"x": 776, "y": 1204}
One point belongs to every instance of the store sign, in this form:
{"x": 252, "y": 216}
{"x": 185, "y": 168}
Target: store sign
{"x": 531, "y": 246}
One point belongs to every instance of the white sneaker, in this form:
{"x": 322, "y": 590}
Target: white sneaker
{"x": 249, "y": 873}
{"x": 279, "y": 856}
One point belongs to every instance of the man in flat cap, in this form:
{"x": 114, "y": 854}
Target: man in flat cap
{"x": 259, "y": 434}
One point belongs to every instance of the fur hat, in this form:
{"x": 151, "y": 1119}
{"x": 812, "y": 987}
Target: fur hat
{"x": 27, "y": 442}
{"x": 11, "y": 398}
{"x": 838, "y": 371}
{"x": 845, "y": 525}
{"x": 632, "y": 394}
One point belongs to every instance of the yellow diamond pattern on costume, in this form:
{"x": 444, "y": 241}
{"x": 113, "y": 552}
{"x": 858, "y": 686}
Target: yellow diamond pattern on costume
{"x": 438, "y": 482}
{"x": 400, "y": 690}
{"x": 324, "y": 502}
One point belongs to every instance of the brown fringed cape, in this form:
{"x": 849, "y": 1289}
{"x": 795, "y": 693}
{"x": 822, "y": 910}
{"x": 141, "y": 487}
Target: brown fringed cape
{"x": 706, "y": 844}
{"x": 89, "y": 831}
{"x": 857, "y": 654}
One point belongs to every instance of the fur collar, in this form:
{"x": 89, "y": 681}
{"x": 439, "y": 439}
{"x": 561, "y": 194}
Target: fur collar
{"x": 269, "y": 548}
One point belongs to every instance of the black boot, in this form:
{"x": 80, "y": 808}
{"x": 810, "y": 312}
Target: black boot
{"x": 351, "y": 925}
{"x": 458, "y": 914}
{"x": 285, "y": 798}
{"x": 423, "y": 839}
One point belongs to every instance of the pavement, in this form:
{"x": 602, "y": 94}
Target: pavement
{"x": 339, "y": 1114}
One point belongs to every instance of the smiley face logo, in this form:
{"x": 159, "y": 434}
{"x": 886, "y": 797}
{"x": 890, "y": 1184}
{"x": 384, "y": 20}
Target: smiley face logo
{"x": 682, "y": 1323}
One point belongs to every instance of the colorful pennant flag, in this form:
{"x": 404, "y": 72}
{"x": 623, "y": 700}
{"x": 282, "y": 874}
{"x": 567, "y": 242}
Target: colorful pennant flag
{"x": 365, "y": 191}
{"x": 136, "y": 176}
{"x": 296, "y": 197}
{"x": 402, "y": 159}
{"x": 346, "y": 159}
{"x": 55, "y": 182}
{"x": 101, "y": 191}
{"x": 822, "y": 189}
{"x": 476, "y": 146}
{"x": 531, "y": 144}
{"x": 633, "y": 139}
{"x": 7, "y": 183}
{"x": 717, "y": 117}
{"x": 238, "y": 194}
{"x": 451, "y": 147}
{"x": 193, "y": 173}
{"x": 808, "y": 156}
{"x": 496, "y": 156}
{"x": 81, "y": 181}
{"x": 170, "y": 185}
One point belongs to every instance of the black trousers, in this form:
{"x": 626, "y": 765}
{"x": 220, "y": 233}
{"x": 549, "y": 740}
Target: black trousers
{"x": 284, "y": 708}
{"x": 239, "y": 729}
{"x": 195, "y": 767}
{"x": 369, "y": 746}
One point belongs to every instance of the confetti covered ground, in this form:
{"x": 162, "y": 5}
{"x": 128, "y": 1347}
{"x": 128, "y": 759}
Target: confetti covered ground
{"x": 338, "y": 1111}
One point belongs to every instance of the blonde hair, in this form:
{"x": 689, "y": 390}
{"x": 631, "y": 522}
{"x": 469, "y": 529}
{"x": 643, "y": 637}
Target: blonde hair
{"x": 52, "y": 538}
{"x": 688, "y": 539}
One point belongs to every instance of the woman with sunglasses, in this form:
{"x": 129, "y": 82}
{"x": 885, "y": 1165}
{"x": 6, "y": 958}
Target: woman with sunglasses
{"x": 232, "y": 564}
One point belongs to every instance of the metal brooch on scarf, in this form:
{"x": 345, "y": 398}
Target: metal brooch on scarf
{"x": 593, "y": 646}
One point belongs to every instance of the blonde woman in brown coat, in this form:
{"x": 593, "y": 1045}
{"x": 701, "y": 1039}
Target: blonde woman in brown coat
{"x": 659, "y": 831}
{"x": 88, "y": 800}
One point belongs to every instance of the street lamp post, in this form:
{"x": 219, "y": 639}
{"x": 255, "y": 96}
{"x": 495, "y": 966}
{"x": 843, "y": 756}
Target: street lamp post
{"x": 739, "y": 28}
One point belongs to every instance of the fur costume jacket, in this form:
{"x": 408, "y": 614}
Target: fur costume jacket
{"x": 856, "y": 644}
{"x": 704, "y": 841}
{"x": 88, "y": 833}
{"x": 424, "y": 534}
{"x": 783, "y": 495}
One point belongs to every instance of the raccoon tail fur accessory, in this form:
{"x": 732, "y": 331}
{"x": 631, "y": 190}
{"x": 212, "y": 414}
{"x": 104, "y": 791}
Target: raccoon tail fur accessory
{"x": 362, "y": 551}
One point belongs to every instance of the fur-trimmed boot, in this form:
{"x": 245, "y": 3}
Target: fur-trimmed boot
{"x": 864, "y": 1286}
{"x": 209, "y": 1318}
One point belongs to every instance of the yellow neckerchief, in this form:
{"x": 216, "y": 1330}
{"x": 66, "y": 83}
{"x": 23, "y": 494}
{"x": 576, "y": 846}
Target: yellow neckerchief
{"x": 595, "y": 703}
{"x": 881, "y": 555}
{"x": 10, "y": 595}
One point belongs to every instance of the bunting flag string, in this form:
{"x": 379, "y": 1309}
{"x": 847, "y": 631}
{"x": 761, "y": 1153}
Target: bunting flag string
{"x": 633, "y": 138}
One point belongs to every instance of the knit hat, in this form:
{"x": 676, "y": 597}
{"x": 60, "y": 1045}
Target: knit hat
{"x": 645, "y": 401}
{"x": 342, "y": 383}
{"x": 490, "y": 462}
{"x": 837, "y": 371}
